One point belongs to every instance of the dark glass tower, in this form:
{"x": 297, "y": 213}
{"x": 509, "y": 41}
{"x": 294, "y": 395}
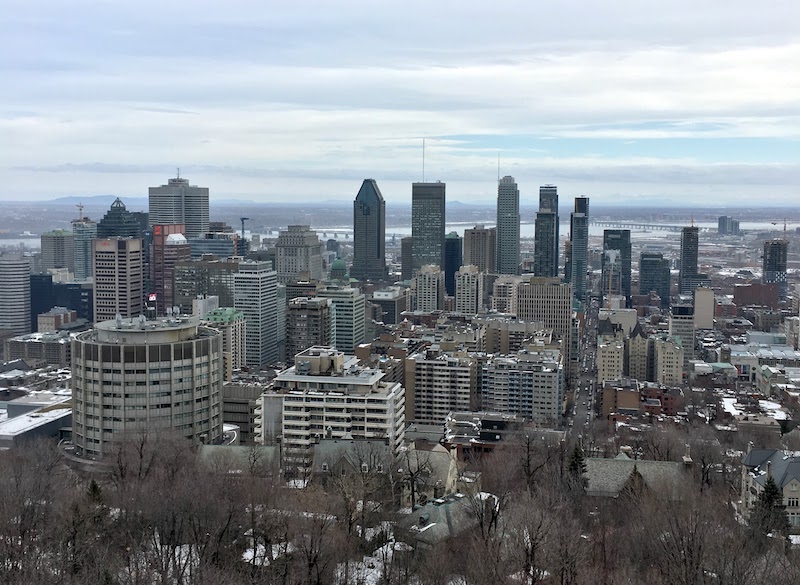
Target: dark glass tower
{"x": 427, "y": 223}
{"x": 118, "y": 222}
{"x": 545, "y": 250}
{"x": 42, "y": 299}
{"x": 616, "y": 273}
{"x": 654, "y": 275}
{"x": 689, "y": 278}
{"x": 775, "y": 252}
{"x": 452, "y": 261}
{"x": 507, "y": 227}
{"x": 579, "y": 247}
{"x": 369, "y": 233}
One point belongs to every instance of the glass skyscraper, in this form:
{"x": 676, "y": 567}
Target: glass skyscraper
{"x": 369, "y": 233}
{"x": 427, "y": 223}
{"x": 545, "y": 251}
{"x": 579, "y": 247}
{"x": 507, "y": 227}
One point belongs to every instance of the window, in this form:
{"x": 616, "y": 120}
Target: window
{"x": 792, "y": 502}
{"x": 364, "y": 468}
{"x": 325, "y": 467}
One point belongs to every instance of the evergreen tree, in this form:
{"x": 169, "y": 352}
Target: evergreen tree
{"x": 769, "y": 513}
{"x": 576, "y": 467}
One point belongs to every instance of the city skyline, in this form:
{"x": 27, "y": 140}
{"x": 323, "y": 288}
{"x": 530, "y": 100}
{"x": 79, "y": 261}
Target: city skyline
{"x": 637, "y": 108}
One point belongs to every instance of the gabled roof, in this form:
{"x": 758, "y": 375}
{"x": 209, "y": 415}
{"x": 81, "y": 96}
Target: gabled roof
{"x": 608, "y": 477}
{"x": 354, "y": 452}
{"x": 441, "y": 519}
{"x": 784, "y": 467}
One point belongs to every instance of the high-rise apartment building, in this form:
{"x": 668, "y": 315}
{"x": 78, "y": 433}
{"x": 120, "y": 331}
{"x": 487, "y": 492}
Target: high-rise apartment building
{"x": 545, "y": 252}
{"x": 616, "y": 264}
{"x": 118, "y": 278}
{"x": 438, "y": 383}
{"x": 231, "y": 324}
{"x": 168, "y": 248}
{"x": 118, "y": 222}
{"x": 255, "y": 287}
{"x": 392, "y": 300}
{"x": 504, "y": 294}
{"x": 681, "y": 329}
{"x": 726, "y": 225}
{"x": 469, "y": 290}
{"x": 507, "y": 226}
{"x": 427, "y": 223}
{"x": 348, "y": 316}
{"x": 480, "y": 248}
{"x": 774, "y": 264}
{"x": 134, "y": 375}
{"x": 308, "y": 323}
{"x": 452, "y": 261}
{"x": 579, "y": 247}
{"x": 428, "y": 289}
{"x": 298, "y": 251}
{"x": 58, "y": 250}
{"x": 654, "y": 275}
{"x": 669, "y": 362}
{"x": 180, "y": 202}
{"x": 369, "y": 233}
{"x": 84, "y": 230}
{"x": 15, "y": 294}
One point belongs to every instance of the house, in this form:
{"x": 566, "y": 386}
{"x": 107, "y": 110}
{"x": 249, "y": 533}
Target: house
{"x": 784, "y": 468}
{"x": 622, "y": 475}
{"x": 428, "y": 471}
{"x": 440, "y": 521}
{"x": 348, "y": 457}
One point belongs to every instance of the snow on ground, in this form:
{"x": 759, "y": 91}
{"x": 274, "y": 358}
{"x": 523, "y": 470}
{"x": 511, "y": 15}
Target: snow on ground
{"x": 260, "y": 553}
{"x": 773, "y": 409}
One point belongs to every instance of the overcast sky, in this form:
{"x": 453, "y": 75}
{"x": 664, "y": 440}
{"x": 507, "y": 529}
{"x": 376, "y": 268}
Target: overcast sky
{"x": 628, "y": 102}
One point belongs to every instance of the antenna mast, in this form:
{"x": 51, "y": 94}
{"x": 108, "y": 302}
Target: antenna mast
{"x": 178, "y": 173}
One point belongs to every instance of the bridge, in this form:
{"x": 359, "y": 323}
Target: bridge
{"x": 635, "y": 225}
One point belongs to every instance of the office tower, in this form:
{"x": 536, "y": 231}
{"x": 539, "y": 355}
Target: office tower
{"x": 529, "y": 384}
{"x": 689, "y": 279}
{"x": 180, "y": 390}
{"x": 568, "y": 261}
{"x": 15, "y": 294}
{"x": 369, "y": 233}
{"x": 548, "y": 301}
{"x": 208, "y": 276}
{"x": 180, "y": 202}
{"x": 255, "y": 293}
{"x": 452, "y": 261}
{"x": 406, "y": 258}
{"x": 616, "y": 264}
{"x": 298, "y": 250}
{"x": 507, "y": 226}
{"x": 654, "y": 275}
{"x": 220, "y": 244}
{"x": 579, "y": 247}
{"x": 775, "y": 253}
{"x": 428, "y": 288}
{"x": 343, "y": 399}
{"x": 438, "y": 383}
{"x": 348, "y": 316}
{"x": 469, "y": 290}
{"x": 84, "y": 230}
{"x": 308, "y": 323}
{"x": 118, "y": 222}
{"x": 42, "y": 299}
{"x": 480, "y": 248}
{"x": 545, "y": 252}
{"x": 118, "y": 278}
{"x": 169, "y": 247}
{"x": 392, "y": 300}
{"x": 427, "y": 223}
{"x": 681, "y": 328}
{"x": 58, "y": 250}
{"x": 231, "y": 324}
{"x": 727, "y": 226}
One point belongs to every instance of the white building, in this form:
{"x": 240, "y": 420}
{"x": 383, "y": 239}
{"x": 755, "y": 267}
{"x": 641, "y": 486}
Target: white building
{"x": 704, "y": 308}
{"x": 469, "y": 290}
{"x": 327, "y": 394}
{"x": 428, "y": 285}
{"x": 529, "y": 384}
{"x": 669, "y": 362}
{"x": 178, "y": 202}
{"x": 15, "y": 294}
{"x": 84, "y": 231}
{"x": 348, "y": 316}
{"x": 255, "y": 292}
{"x": 507, "y": 226}
{"x": 504, "y": 294}
{"x": 131, "y": 376}
{"x": 681, "y": 328}
{"x": 231, "y": 323}
{"x": 438, "y": 383}
{"x": 610, "y": 360}
{"x": 298, "y": 251}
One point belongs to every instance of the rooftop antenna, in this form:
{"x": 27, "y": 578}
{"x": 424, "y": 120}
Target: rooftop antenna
{"x": 178, "y": 173}
{"x": 693, "y": 220}
{"x": 423, "y": 160}
{"x": 784, "y": 229}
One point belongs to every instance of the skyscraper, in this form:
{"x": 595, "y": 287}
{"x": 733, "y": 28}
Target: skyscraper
{"x": 689, "y": 250}
{"x": 545, "y": 251}
{"x": 428, "y": 289}
{"x": 180, "y": 202}
{"x": 297, "y": 251}
{"x": 58, "y": 250}
{"x": 118, "y": 222}
{"x": 427, "y": 223}
{"x": 469, "y": 290}
{"x": 654, "y": 275}
{"x": 452, "y": 261}
{"x": 369, "y": 234}
{"x": 480, "y": 245}
{"x": 308, "y": 323}
{"x": 118, "y": 278}
{"x": 406, "y": 258}
{"x": 256, "y": 295}
{"x": 579, "y": 247}
{"x": 15, "y": 294}
{"x": 84, "y": 230}
{"x": 348, "y": 315}
{"x": 169, "y": 247}
{"x": 616, "y": 263}
{"x": 507, "y": 226}
{"x": 774, "y": 264}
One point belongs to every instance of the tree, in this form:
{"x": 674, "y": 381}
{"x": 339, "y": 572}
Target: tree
{"x": 769, "y": 513}
{"x": 576, "y": 468}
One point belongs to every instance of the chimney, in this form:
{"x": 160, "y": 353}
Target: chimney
{"x": 769, "y": 470}
{"x": 687, "y": 459}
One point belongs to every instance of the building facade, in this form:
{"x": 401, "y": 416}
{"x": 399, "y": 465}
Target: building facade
{"x": 168, "y": 248}
{"x": 134, "y": 376}
{"x": 348, "y": 316}
{"x": 579, "y": 248}
{"x": 298, "y": 253}
{"x": 231, "y": 324}
{"x": 369, "y": 233}
{"x": 308, "y": 323}
{"x": 480, "y": 248}
{"x": 84, "y": 230}
{"x": 118, "y": 278}
{"x": 427, "y": 223}
{"x": 58, "y": 250}
{"x": 428, "y": 289}
{"x": 208, "y": 276}
{"x": 452, "y": 261}
{"x": 438, "y": 383}
{"x": 654, "y": 276}
{"x": 255, "y": 293}
{"x": 507, "y": 261}
{"x": 468, "y": 290}
{"x": 118, "y": 222}
{"x": 774, "y": 264}
{"x": 15, "y": 294}
{"x": 180, "y": 202}
{"x": 545, "y": 254}
{"x": 616, "y": 264}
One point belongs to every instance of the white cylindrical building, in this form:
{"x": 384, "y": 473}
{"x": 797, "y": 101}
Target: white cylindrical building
{"x": 131, "y": 376}
{"x": 15, "y": 294}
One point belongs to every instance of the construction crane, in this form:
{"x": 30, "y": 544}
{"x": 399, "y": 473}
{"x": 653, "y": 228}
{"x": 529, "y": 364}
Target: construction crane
{"x": 80, "y": 211}
{"x": 243, "y": 219}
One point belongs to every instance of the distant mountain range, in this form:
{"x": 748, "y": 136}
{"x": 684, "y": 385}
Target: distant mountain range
{"x": 107, "y": 200}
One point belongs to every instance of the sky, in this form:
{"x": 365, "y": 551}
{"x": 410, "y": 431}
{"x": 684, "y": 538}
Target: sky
{"x": 681, "y": 103}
